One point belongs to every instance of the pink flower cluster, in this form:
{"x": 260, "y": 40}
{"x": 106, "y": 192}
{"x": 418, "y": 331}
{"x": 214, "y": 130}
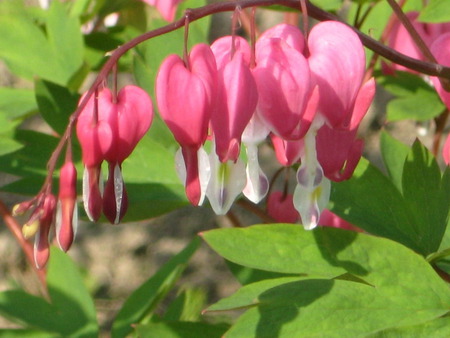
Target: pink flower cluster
{"x": 308, "y": 95}
{"x": 108, "y": 128}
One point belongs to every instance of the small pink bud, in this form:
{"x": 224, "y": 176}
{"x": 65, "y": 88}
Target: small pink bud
{"x": 66, "y": 215}
{"x": 41, "y": 243}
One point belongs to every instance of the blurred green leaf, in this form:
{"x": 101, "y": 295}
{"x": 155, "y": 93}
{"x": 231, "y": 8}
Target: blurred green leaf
{"x": 24, "y": 333}
{"x": 436, "y": 11}
{"x": 181, "y": 330}
{"x": 8, "y": 145}
{"x": 16, "y": 103}
{"x": 415, "y": 99}
{"x": 144, "y": 300}
{"x": 187, "y": 307}
{"x": 56, "y": 104}
{"x": 328, "y": 5}
{"x": 33, "y": 311}
{"x": 394, "y": 155}
{"x": 55, "y": 55}
{"x": 70, "y": 297}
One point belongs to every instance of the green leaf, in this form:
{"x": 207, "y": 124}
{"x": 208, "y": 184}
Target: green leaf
{"x": 8, "y": 145}
{"x": 329, "y": 252}
{"x": 328, "y": 5}
{"x": 16, "y": 103}
{"x": 20, "y": 333}
{"x": 152, "y": 191}
{"x": 402, "y": 289}
{"x": 422, "y": 187}
{"x": 144, "y": 300}
{"x": 181, "y": 330}
{"x": 394, "y": 155}
{"x": 246, "y": 275}
{"x": 23, "y": 308}
{"x": 371, "y": 201}
{"x": 247, "y": 296}
{"x": 187, "y": 306}
{"x": 320, "y": 307}
{"x": 415, "y": 99}
{"x": 29, "y": 52}
{"x": 56, "y": 104}
{"x": 437, "y": 328}
{"x": 65, "y": 37}
{"x": 436, "y": 11}
{"x": 69, "y": 295}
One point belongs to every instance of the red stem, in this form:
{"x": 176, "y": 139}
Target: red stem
{"x": 15, "y": 229}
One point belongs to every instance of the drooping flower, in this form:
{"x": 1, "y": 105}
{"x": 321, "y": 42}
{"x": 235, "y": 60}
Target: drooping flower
{"x": 237, "y": 97}
{"x": 339, "y": 150}
{"x": 286, "y": 100}
{"x": 109, "y": 128}
{"x": 167, "y": 8}
{"x": 337, "y": 62}
{"x": 186, "y": 95}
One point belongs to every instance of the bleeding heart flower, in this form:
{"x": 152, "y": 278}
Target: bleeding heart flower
{"x": 236, "y": 102}
{"x": 186, "y": 97}
{"x": 338, "y": 150}
{"x": 283, "y": 79}
{"x": 109, "y": 129}
{"x": 337, "y": 70}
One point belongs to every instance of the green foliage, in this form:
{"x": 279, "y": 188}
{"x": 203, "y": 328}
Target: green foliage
{"x": 415, "y": 99}
{"x": 295, "y": 283}
{"x": 399, "y": 288}
{"x": 394, "y": 206}
{"x": 27, "y": 48}
{"x": 144, "y": 300}
{"x": 436, "y": 11}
